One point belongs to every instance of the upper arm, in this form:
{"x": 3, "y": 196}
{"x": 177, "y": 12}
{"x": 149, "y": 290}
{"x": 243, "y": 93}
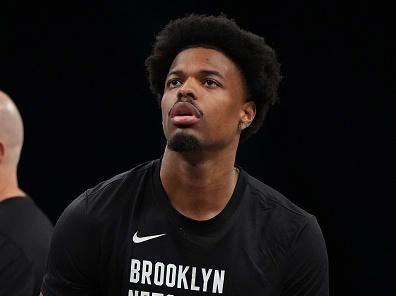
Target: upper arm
{"x": 306, "y": 272}
{"x": 73, "y": 254}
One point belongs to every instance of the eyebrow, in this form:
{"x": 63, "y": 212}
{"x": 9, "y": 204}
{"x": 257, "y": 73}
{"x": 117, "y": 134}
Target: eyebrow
{"x": 201, "y": 72}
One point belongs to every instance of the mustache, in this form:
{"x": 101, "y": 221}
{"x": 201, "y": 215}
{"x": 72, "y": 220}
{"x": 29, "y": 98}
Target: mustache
{"x": 189, "y": 101}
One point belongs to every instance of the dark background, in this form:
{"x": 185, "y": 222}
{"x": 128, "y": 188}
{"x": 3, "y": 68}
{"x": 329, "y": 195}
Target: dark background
{"x": 76, "y": 72}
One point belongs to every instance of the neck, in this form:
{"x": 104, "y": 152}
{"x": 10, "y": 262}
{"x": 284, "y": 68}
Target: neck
{"x": 9, "y": 186}
{"x": 199, "y": 185}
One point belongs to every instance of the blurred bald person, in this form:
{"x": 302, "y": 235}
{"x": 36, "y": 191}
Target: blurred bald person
{"x": 25, "y": 231}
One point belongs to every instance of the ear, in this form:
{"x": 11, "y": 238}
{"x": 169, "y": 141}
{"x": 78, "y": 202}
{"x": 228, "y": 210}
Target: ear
{"x": 248, "y": 112}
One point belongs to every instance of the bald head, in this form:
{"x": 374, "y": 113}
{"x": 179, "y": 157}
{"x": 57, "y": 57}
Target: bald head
{"x": 11, "y": 131}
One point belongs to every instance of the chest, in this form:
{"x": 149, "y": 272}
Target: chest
{"x": 160, "y": 257}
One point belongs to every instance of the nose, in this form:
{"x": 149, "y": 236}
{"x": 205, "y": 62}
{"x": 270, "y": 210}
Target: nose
{"x": 186, "y": 91}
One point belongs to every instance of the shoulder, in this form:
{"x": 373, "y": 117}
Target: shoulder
{"x": 23, "y": 223}
{"x": 278, "y": 219}
{"x": 96, "y": 213}
{"x": 109, "y": 195}
{"x": 123, "y": 180}
{"x": 271, "y": 199}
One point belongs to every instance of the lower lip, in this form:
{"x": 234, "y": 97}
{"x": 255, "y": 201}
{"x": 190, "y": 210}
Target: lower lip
{"x": 184, "y": 120}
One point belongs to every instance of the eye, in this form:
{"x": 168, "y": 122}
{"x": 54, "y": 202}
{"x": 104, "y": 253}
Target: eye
{"x": 211, "y": 83}
{"x": 172, "y": 83}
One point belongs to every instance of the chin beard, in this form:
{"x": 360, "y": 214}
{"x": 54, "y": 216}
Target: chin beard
{"x": 184, "y": 143}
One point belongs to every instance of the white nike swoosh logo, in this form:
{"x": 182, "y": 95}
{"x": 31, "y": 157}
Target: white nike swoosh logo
{"x": 137, "y": 239}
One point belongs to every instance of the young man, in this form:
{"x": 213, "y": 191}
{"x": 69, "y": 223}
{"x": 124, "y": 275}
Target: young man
{"x": 193, "y": 223}
{"x": 25, "y": 232}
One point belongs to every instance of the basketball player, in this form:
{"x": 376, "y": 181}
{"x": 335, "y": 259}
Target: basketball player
{"x": 193, "y": 222}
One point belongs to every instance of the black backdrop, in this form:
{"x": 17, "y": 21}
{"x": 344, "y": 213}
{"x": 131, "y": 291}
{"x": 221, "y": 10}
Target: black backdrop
{"x": 77, "y": 73}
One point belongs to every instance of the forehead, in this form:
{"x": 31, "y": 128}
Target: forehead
{"x": 200, "y": 58}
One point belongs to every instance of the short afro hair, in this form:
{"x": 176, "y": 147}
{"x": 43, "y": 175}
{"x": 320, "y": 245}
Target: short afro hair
{"x": 256, "y": 60}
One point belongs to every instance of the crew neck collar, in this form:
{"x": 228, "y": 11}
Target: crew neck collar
{"x": 196, "y": 225}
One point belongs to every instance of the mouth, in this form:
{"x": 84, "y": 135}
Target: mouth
{"x": 184, "y": 114}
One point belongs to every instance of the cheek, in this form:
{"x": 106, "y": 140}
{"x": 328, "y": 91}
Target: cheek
{"x": 164, "y": 107}
{"x": 225, "y": 116}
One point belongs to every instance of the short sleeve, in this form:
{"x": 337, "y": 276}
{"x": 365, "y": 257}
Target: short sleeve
{"x": 307, "y": 272}
{"x": 74, "y": 252}
{"x": 16, "y": 276}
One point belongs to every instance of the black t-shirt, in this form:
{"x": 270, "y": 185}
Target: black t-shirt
{"x": 124, "y": 238}
{"x": 25, "y": 235}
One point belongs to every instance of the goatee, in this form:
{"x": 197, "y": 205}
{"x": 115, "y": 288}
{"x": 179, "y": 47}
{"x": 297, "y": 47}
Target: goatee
{"x": 184, "y": 143}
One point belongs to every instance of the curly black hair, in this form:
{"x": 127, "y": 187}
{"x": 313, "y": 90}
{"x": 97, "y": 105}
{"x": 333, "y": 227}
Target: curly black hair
{"x": 256, "y": 60}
